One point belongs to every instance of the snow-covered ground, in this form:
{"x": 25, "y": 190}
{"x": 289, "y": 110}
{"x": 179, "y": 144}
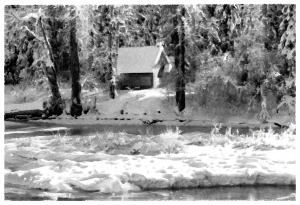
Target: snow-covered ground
{"x": 140, "y": 106}
{"x": 67, "y": 163}
{"x": 63, "y": 164}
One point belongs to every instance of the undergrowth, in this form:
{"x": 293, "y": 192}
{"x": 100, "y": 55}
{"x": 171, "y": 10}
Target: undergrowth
{"x": 120, "y": 143}
{"x": 262, "y": 139}
{"x": 172, "y": 142}
{"x": 220, "y": 100}
{"x": 24, "y": 94}
{"x": 169, "y": 141}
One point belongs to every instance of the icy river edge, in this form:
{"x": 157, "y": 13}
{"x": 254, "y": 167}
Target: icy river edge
{"x": 198, "y": 167}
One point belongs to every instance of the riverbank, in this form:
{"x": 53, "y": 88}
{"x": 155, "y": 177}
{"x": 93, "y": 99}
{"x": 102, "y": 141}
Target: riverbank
{"x": 154, "y": 106}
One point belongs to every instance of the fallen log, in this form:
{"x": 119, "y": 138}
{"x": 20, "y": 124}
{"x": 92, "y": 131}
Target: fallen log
{"x": 42, "y": 118}
{"x": 281, "y": 126}
{"x": 23, "y": 113}
{"x": 27, "y": 119}
{"x": 151, "y": 121}
{"x": 16, "y": 120}
{"x": 22, "y": 117}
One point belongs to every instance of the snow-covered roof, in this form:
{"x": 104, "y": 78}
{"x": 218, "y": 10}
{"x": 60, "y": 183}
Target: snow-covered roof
{"x": 139, "y": 59}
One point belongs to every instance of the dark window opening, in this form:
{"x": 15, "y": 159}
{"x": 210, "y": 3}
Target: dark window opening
{"x": 136, "y": 81}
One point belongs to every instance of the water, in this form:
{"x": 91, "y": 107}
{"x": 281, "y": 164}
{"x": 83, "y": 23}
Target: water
{"x": 249, "y": 193}
{"x": 31, "y": 129}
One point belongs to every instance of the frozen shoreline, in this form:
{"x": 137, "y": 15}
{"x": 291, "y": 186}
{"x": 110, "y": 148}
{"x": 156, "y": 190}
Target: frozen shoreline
{"x": 198, "y": 167}
{"x": 106, "y": 120}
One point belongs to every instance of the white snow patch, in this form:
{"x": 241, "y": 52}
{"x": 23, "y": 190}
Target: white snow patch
{"x": 42, "y": 162}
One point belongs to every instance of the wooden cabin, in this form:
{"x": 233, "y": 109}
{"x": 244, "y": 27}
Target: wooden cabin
{"x": 141, "y": 67}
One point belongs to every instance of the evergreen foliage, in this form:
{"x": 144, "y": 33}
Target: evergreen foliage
{"x": 231, "y": 54}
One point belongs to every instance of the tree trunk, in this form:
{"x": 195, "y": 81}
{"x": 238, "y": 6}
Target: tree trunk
{"x": 192, "y": 73}
{"x": 76, "y": 107}
{"x": 263, "y": 116}
{"x": 180, "y": 53}
{"x": 175, "y": 42}
{"x": 55, "y": 105}
{"x": 147, "y": 35}
{"x": 111, "y": 74}
{"x": 53, "y": 35}
{"x": 117, "y": 42}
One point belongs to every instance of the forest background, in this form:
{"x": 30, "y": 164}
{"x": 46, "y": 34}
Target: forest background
{"x": 234, "y": 58}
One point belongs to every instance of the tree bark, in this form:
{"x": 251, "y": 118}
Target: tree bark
{"x": 46, "y": 41}
{"x": 55, "y": 104}
{"x": 76, "y": 107}
{"x": 146, "y": 34}
{"x": 192, "y": 73}
{"x": 180, "y": 53}
{"x": 149, "y": 41}
{"x": 175, "y": 42}
{"x": 263, "y": 115}
{"x": 117, "y": 42}
{"x": 111, "y": 74}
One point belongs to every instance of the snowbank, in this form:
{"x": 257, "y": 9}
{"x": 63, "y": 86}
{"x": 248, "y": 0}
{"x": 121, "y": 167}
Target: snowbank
{"x": 65, "y": 170}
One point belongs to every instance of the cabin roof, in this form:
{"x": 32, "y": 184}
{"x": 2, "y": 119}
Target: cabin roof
{"x": 139, "y": 59}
